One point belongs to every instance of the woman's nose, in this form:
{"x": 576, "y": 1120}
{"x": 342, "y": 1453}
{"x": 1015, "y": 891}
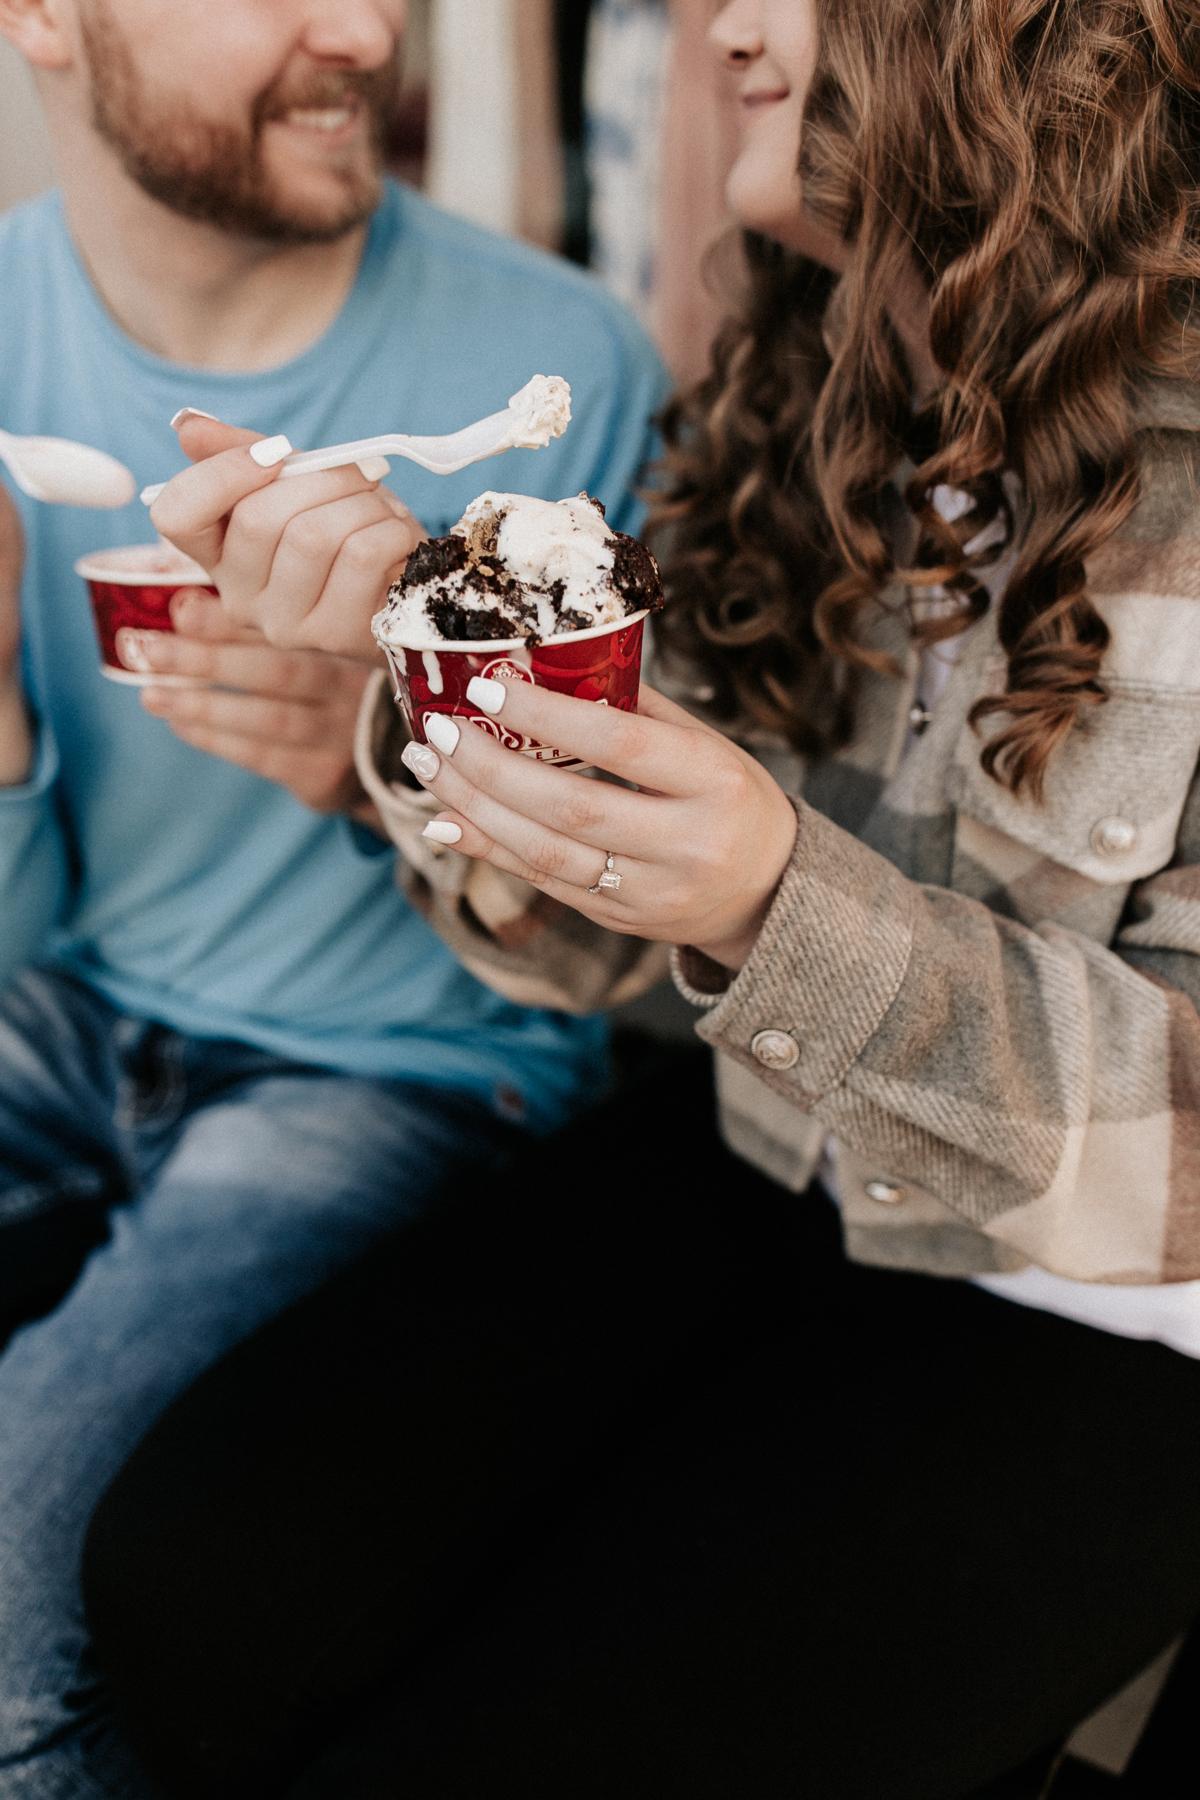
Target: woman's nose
{"x": 736, "y": 32}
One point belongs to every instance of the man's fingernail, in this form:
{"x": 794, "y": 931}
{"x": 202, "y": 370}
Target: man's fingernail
{"x": 487, "y": 694}
{"x": 269, "y": 451}
{"x": 374, "y": 468}
{"x": 442, "y": 733}
{"x": 136, "y": 649}
{"x": 423, "y": 763}
{"x": 189, "y": 412}
{"x": 441, "y": 831}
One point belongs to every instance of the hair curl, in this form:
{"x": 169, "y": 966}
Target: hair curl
{"x": 1038, "y": 161}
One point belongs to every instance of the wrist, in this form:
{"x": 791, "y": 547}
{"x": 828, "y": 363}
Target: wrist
{"x": 733, "y": 953}
{"x": 732, "y": 948}
{"x": 16, "y": 732}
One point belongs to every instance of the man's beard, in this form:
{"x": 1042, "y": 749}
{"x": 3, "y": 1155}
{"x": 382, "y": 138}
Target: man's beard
{"x": 215, "y": 172}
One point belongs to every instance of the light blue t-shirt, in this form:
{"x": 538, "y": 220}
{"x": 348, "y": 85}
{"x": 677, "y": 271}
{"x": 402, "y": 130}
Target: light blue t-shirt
{"x": 185, "y": 889}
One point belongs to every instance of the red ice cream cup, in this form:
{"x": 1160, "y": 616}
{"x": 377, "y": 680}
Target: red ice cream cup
{"x": 134, "y": 587}
{"x": 603, "y": 664}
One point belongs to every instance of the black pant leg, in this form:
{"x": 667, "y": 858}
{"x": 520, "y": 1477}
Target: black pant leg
{"x": 625, "y": 1483}
{"x": 334, "y": 1496}
{"x": 891, "y": 1569}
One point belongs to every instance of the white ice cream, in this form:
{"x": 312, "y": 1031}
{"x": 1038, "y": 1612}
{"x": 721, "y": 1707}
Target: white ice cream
{"x": 541, "y": 412}
{"x": 544, "y": 545}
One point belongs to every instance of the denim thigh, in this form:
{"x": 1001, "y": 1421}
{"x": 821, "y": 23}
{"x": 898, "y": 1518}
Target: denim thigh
{"x": 61, "y": 1163}
{"x": 252, "y": 1181}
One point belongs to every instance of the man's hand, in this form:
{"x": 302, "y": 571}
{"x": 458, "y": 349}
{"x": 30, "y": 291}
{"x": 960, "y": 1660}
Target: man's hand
{"x": 305, "y": 561}
{"x": 287, "y": 715}
{"x": 16, "y": 737}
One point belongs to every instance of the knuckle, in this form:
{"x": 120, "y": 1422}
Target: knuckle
{"x": 726, "y": 777}
{"x": 164, "y": 515}
{"x": 627, "y": 733}
{"x": 305, "y": 535}
{"x": 240, "y": 608}
{"x": 360, "y": 554}
{"x": 578, "y": 813}
{"x": 250, "y": 522}
{"x": 551, "y": 857}
{"x": 277, "y": 625}
{"x": 296, "y": 675}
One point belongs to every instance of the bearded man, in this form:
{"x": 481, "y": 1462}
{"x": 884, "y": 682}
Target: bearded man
{"x": 232, "y": 1059}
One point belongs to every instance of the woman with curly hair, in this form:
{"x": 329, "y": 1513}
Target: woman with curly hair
{"x": 896, "y": 1448}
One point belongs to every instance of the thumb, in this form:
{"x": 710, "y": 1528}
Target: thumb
{"x": 200, "y": 437}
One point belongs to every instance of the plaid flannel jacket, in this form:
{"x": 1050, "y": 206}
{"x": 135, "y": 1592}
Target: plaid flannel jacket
{"x": 990, "y": 1004}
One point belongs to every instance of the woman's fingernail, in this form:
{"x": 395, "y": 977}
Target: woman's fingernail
{"x": 441, "y": 831}
{"x": 487, "y": 694}
{"x": 374, "y": 468}
{"x": 423, "y": 763}
{"x": 269, "y": 451}
{"x": 136, "y": 649}
{"x": 189, "y": 412}
{"x": 442, "y": 733}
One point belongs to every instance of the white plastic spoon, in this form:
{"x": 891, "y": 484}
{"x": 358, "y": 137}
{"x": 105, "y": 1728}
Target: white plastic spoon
{"x": 539, "y": 413}
{"x": 66, "y": 474}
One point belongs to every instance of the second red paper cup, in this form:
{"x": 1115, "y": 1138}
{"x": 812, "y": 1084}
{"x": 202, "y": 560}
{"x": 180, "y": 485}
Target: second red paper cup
{"x": 134, "y": 587}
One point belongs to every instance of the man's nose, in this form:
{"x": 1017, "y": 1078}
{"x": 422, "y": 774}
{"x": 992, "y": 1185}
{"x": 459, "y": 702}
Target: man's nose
{"x": 358, "y": 34}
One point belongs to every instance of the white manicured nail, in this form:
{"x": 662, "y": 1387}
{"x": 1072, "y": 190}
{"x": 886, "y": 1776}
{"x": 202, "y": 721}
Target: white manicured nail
{"x": 442, "y": 733}
{"x": 131, "y": 648}
{"x": 189, "y": 412}
{"x": 487, "y": 694}
{"x": 423, "y": 763}
{"x": 374, "y": 468}
{"x": 441, "y": 831}
{"x": 269, "y": 451}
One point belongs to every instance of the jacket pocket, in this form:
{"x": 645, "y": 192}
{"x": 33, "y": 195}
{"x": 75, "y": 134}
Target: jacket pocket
{"x": 1114, "y": 796}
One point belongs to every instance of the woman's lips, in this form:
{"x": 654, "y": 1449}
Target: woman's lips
{"x": 764, "y": 97}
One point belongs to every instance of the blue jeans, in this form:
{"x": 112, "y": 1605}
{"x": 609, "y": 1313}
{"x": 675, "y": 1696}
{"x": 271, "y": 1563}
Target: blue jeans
{"x": 215, "y": 1184}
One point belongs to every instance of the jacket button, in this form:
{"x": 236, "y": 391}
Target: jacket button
{"x": 1112, "y": 837}
{"x": 775, "y": 1050}
{"x": 887, "y": 1193}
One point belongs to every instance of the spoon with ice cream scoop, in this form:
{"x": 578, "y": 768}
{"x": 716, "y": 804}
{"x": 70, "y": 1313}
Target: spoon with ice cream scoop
{"x": 63, "y": 473}
{"x": 540, "y": 412}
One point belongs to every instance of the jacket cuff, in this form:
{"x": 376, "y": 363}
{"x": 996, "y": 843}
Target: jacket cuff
{"x": 829, "y": 961}
{"x": 702, "y": 982}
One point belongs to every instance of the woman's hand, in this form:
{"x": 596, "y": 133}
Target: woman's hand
{"x": 700, "y": 849}
{"x": 287, "y": 715}
{"x": 306, "y": 561}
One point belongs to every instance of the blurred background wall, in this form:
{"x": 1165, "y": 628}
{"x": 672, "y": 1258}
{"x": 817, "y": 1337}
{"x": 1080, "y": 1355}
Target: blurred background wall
{"x": 24, "y": 152}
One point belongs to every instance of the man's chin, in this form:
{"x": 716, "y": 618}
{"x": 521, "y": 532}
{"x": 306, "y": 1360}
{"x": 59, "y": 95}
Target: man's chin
{"x": 319, "y": 210}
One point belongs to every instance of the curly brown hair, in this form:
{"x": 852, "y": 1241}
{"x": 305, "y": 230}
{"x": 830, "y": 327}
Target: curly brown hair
{"x": 1039, "y": 162}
